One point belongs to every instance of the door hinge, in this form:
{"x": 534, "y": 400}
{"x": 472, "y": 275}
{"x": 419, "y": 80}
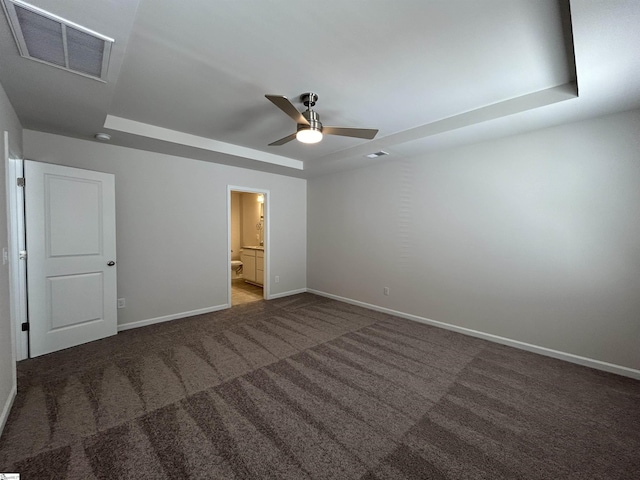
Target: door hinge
{"x": 25, "y": 327}
{"x": 22, "y": 255}
{"x": 21, "y": 181}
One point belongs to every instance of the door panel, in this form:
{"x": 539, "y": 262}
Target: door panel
{"x": 70, "y": 226}
{"x": 75, "y": 299}
{"x": 74, "y": 229}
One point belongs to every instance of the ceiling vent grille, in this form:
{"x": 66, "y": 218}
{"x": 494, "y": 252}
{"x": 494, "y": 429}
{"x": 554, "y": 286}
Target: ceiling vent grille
{"x": 47, "y": 38}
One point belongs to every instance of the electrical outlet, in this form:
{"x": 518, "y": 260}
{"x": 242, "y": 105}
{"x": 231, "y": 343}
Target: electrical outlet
{"x": 386, "y": 290}
{"x": 277, "y": 279}
{"x": 5, "y": 255}
{"x": 121, "y": 303}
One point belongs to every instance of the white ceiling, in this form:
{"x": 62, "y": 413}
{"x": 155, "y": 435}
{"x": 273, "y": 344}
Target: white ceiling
{"x": 189, "y": 78}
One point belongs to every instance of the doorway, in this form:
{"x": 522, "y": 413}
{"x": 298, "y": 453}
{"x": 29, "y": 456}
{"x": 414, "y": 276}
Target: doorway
{"x": 248, "y": 244}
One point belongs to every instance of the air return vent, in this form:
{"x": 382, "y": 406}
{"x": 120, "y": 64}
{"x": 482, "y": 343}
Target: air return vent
{"x": 47, "y": 38}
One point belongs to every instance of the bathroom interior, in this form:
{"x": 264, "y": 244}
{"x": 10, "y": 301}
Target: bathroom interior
{"x": 247, "y": 247}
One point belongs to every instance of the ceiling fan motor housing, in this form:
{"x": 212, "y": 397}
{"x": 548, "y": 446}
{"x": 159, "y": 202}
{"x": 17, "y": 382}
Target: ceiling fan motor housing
{"x": 314, "y": 121}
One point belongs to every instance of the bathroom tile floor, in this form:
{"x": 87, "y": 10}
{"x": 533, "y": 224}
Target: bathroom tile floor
{"x": 242, "y": 292}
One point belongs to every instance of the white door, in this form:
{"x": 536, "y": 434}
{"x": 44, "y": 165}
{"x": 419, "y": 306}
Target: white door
{"x": 71, "y": 254}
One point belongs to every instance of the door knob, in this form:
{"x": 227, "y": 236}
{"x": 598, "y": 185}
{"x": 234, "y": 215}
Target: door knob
{"x": 111, "y": 263}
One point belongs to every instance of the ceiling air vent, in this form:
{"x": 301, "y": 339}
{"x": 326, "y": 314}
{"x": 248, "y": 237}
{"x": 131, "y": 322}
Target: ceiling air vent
{"x": 47, "y": 38}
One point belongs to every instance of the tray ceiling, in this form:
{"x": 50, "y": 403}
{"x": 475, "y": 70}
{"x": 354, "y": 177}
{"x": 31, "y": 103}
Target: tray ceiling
{"x": 191, "y": 76}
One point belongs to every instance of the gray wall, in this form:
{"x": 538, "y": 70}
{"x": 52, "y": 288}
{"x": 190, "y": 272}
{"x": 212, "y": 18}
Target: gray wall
{"x": 8, "y": 122}
{"x": 171, "y": 225}
{"x": 533, "y": 238}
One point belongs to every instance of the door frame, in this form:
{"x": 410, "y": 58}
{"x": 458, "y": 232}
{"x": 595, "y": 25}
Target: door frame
{"x": 267, "y": 243}
{"x": 17, "y": 266}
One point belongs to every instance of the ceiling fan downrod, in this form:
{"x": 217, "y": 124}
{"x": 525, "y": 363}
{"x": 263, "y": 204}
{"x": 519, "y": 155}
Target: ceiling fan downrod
{"x": 309, "y": 99}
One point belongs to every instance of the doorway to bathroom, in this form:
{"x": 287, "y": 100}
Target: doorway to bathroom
{"x": 248, "y": 245}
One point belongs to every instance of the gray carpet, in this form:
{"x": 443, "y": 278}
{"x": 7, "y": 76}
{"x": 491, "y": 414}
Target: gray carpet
{"x": 305, "y": 387}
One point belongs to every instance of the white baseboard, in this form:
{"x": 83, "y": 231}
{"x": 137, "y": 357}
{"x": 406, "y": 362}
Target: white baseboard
{"x": 166, "y": 318}
{"x": 4, "y": 416}
{"x": 569, "y": 357}
{"x": 286, "y": 294}
{"x": 175, "y": 316}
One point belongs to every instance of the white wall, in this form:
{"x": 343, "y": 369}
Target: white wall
{"x": 533, "y": 238}
{"x": 8, "y": 122}
{"x": 172, "y": 224}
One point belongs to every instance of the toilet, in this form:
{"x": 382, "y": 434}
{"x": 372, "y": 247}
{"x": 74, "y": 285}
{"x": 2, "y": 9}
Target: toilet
{"x": 236, "y": 268}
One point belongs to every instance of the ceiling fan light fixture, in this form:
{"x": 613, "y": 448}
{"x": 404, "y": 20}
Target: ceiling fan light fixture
{"x": 309, "y": 135}
{"x": 309, "y": 127}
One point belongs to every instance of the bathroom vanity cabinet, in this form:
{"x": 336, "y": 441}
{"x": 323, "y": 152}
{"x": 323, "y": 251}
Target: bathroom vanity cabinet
{"x": 253, "y": 265}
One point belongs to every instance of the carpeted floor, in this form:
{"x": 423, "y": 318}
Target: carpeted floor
{"x": 306, "y": 387}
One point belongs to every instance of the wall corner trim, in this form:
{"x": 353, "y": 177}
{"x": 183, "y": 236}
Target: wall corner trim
{"x": 166, "y": 318}
{"x": 568, "y": 357}
{"x": 4, "y": 416}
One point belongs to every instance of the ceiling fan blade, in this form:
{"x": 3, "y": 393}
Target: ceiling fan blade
{"x": 284, "y": 140}
{"x": 367, "y": 133}
{"x": 287, "y": 107}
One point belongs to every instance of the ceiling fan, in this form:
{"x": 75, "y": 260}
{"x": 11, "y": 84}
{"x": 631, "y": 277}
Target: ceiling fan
{"x": 310, "y": 129}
